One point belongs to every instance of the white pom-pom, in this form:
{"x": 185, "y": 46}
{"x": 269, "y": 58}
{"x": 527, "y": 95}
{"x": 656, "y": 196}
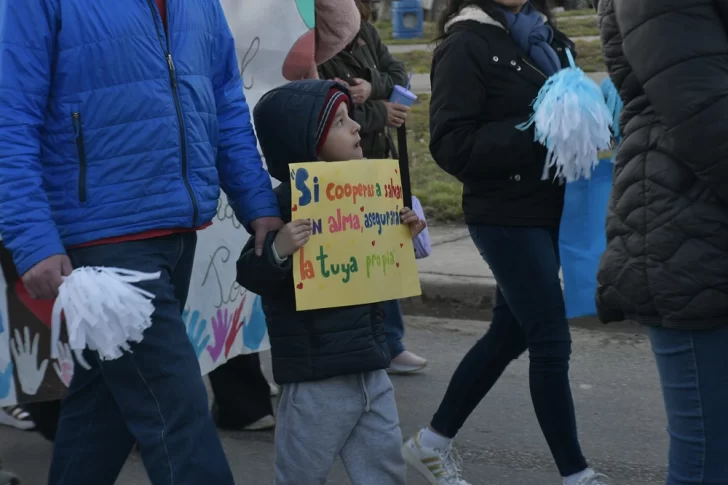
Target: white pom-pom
{"x": 572, "y": 121}
{"x": 103, "y": 310}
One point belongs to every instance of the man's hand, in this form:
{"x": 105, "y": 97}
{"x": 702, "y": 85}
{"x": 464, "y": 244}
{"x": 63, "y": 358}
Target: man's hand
{"x": 262, "y": 227}
{"x": 360, "y": 90}
{"x": 43, "y": 279}
{"x": 396, "y": 114}
{"x": 293, "y": 237}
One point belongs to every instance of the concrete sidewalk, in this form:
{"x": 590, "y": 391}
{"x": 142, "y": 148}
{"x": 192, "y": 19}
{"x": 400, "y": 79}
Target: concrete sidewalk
{"x": 455, "y": 274}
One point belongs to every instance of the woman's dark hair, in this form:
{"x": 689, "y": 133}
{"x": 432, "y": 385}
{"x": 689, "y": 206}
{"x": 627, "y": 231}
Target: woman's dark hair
{"x": 365, "y": 9}
{"x": 491, "y": 7}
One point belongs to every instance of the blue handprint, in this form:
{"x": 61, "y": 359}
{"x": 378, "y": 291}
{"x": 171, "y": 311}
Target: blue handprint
{"x": 255, "y": 328}
{"x": 6, "y": 381}
{"x": 198, "y": 335}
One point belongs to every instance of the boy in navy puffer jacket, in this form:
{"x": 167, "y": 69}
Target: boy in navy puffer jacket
{"x": 337, "y": 398}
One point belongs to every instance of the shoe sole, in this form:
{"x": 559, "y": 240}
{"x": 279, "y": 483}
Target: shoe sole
{"x": 417, "y": 464}
{"x": 8, "y": 420}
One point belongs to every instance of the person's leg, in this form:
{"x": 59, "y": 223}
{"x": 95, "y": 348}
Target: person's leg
{"x": 314, "y": 421}
{"x": 525, "y": 263}
{"x": 430, "y": 451}
{"x": 372, "y": 455}
{"x": 45, "y": 414}
{"x": 480, "y": 369}
{"x": 403, "y": 361}
{"x": 393, "y": 327}
{"x": 154, "y": 394}
{"x": 242, "y": 394}
{"x": 693, "y": 367}
{"x": 92, "y": 441}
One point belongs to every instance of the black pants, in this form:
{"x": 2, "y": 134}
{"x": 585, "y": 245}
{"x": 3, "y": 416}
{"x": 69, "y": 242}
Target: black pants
{"x": 242, "y": 393}
{"x": 528, "y": 314}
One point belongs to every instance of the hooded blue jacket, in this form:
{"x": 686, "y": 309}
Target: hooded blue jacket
{"x": 111, "y": 125}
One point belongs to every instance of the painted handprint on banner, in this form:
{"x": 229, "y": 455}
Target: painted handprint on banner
{"x": 64, "y": 364}
{"x": 220, "y": 328}
{"x": 238, "y": 322}
{"x": 196, "y": 330}
{"x": 254, "y": 331}
{"x": 25, "y": 354}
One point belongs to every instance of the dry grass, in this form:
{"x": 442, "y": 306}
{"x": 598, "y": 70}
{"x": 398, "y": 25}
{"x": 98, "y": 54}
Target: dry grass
{"x": 439, "y": 193}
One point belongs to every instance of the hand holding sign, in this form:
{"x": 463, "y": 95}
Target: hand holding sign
{"x": 292, "y": 237}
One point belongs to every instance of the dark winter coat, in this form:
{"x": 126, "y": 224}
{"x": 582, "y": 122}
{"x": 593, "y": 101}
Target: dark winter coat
{"x": 483, "y": 85}
{"x": 368, "y": 58}
{"x": 666, "y": 261}
{"x": 316, "y": 344}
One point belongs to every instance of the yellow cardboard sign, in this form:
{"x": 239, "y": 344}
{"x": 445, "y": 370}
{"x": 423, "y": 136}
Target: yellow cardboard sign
{"x": 359, "y": 252}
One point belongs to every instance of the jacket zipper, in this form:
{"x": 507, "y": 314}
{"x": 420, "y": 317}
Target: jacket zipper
{"x": 81, "y": 148}
{"x": 534, "y": 67}
{"x": 167, "y": 51}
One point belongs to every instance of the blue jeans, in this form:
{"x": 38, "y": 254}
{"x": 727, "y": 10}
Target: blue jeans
{"x": 393, "y": 327}
{"x": 528, "y": 314}
{"x": 693, "y": 369}
{"x": 154, "y": 395}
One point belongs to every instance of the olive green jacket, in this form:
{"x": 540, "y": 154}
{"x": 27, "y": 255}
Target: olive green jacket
{"x": 368, "y": 58}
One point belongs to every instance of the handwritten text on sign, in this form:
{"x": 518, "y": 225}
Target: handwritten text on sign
{"x": 359, "y": 251}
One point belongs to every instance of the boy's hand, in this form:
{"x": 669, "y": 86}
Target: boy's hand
{"x": 292, "y": 237}
{"x": 409, "y": 217}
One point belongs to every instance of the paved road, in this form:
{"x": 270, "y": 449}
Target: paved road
{"x": 615, "y": 387}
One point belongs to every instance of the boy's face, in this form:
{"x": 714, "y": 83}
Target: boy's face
{"x": 343, "y": 141}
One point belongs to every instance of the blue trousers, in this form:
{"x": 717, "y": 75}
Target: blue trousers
{"x": 154, "y": 395}
{"x": 528, "y": 314}
{"x": 393, "y": 327}
{"x": 693, "y": 369}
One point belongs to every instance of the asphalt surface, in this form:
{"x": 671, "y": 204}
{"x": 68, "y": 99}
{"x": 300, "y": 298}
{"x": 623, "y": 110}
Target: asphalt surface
{"x": 616, "y": 390}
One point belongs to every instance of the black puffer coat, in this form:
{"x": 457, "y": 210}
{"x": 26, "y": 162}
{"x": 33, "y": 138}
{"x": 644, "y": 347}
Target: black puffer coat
{"x": 666, "y": 261}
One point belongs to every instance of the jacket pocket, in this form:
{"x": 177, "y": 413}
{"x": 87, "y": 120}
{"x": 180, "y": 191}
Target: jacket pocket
{"x": 81, "y": 148}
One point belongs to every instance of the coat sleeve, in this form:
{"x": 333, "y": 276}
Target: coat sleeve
{"x": 461, "y": 142}
{"x": 27, "y": 46}
{"x": 262, "y": 274}
{"x": 389, "y": 71}
{"x": 685, "y": 82}
{"x": 239, "y": 165}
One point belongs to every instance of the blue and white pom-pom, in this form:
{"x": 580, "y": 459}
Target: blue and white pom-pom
{"x": 614, "y": 103}
{"x": 103, "y": 310}
{"x": 572, "y": 121}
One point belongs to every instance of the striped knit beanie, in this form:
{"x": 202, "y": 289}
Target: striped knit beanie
{"x": 334, "y": 98}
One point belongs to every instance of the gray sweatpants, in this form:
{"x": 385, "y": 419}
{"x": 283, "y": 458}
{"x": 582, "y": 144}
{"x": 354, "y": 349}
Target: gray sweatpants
{"x": 352, "y": 416}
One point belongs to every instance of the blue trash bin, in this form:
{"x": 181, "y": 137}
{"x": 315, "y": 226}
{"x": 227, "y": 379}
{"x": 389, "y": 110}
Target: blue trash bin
{"x": 408, "y": 21}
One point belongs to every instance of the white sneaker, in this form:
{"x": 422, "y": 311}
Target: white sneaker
{"x": 439, "y": 467}
{"x": 263, "y": 424}
{"x": 406, "y": 363}
{"x": 17, "y": 417}
{"x": 593, "y": 479}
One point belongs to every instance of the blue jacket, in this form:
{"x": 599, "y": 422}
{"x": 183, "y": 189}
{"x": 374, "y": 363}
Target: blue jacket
{"x": 110, "y": 127}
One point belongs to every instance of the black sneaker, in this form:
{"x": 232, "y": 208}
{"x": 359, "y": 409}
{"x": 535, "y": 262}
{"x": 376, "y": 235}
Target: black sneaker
{"x": 17, "y": 417}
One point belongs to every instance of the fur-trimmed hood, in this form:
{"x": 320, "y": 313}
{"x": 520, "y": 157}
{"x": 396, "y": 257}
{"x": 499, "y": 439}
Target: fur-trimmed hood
{"x": 477, "y": 14}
